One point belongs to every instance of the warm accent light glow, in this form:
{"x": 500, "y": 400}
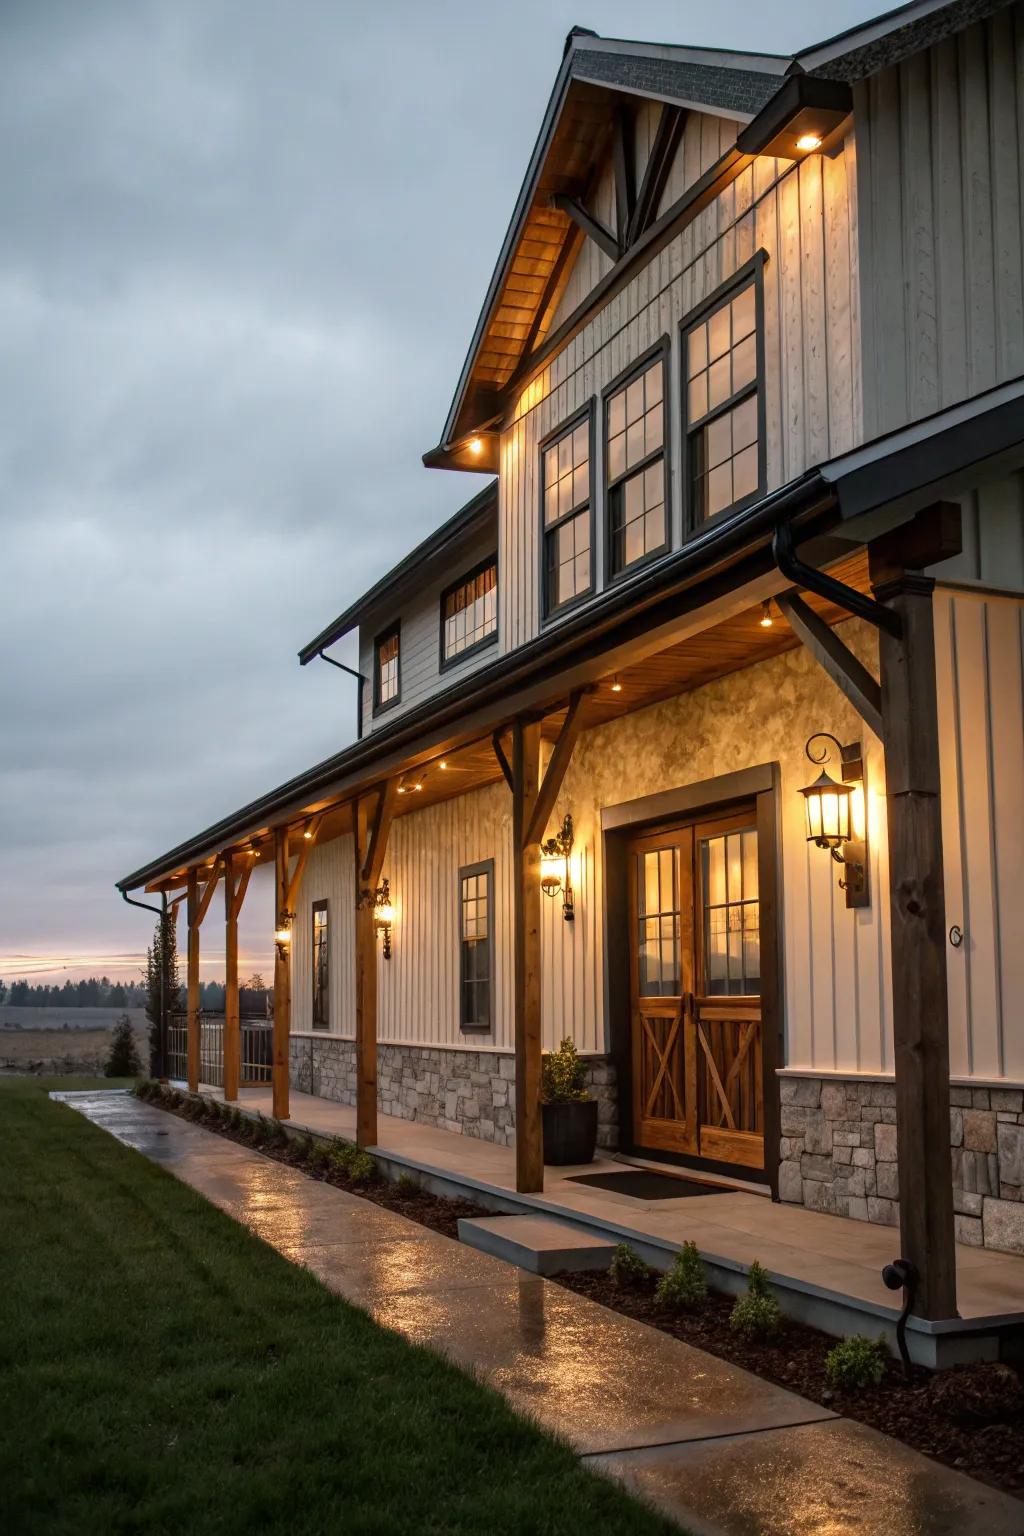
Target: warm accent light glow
{"x": 766, "y": 615}
{"x": 282, "y": 936}
{"x": 476, "y": 446}
{"x": 616, "y": 685}
{"x": 442, "y": 764}
{"x": 308, "y": 836}
{"x": 828, "y": 812}
{"x": 808, "y": 141}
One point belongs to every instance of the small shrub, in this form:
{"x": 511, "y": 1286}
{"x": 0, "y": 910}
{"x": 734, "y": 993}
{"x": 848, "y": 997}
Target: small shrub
{"x": 319, "y": 1156}
{"x": 141, "y": 1089}
{"x": 123, "y": 1058}
{"x": 757, "y": 1315}
{"x": 684, "y": 1285}
{"x": 361, "y": 1167}
{"x": 340, "y": 1154}
{"x": 235, "y": 1118}
{"x": 302, "y": 1146}
{"x": 563, "y": 1075}
{"x": 856, "y": 1362}
{"x": 405, "y": 1184}
{"x": 274, "y": 1133}
{"x": 627, "y": 1267}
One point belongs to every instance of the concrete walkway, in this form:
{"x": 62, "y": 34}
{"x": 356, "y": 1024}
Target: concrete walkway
{"x": 724, "y": 1452}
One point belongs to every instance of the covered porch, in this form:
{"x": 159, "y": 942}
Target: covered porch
{"x": 827, "y": 1269}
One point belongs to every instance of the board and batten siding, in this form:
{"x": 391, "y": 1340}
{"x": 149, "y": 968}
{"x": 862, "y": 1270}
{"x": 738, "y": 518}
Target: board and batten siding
{"x": 803, "y": 217}
{"x": 420, "y": 671}
{"x": 941, "y": 191}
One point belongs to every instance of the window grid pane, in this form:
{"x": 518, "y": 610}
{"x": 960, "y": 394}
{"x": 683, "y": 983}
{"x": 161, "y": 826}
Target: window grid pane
{"x": 721, "y": 361}
{"x": 471, "y": 612}
{"x": 731, "y": 926}
{"x": 387, "y": 669}
{"x": 636, "y": 501}
{"x": 566, "y": 471}
{"x": 320, "y": 971}
{"x": 658, "y": 919}
{"x": 475, "y": 949}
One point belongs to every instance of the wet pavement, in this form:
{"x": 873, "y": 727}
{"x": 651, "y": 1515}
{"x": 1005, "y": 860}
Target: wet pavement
{"x": 724, "y": 1452}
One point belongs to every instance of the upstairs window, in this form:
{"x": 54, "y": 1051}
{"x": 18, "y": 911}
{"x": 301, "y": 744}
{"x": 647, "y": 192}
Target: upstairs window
{"x": 321, "y": 1019}
{"x": 386, "y": 675}
{"x": 723, "y": 405}
{"x": 566, "y": 504}
{"x": 476, "y": 950}
{"x": 469, "y": 613}
{"x": 635, "y": 468}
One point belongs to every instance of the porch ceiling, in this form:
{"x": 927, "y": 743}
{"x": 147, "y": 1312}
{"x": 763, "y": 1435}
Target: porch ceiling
{"x": 728, "y": 646}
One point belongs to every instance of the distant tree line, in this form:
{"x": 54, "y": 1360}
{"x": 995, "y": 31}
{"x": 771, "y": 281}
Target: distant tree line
{"x": 101, "y": 992}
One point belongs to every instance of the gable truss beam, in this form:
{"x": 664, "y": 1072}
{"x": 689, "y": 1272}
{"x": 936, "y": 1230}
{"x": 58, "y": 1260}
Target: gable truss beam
{"x": 547, "y": 794}
{"x": 624, "y": 163}
{"x": 667, "y": 137}
{"x": 503, "y": 762}
{"x": 373, "y": 838}
{"x": 591, "y": 227}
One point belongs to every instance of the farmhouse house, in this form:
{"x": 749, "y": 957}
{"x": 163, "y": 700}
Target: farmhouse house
{"x": 697, "y": 735}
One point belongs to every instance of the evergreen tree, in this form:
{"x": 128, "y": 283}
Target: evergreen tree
{"x": 161, "y": 984}
{"x": 123, "y": 1060}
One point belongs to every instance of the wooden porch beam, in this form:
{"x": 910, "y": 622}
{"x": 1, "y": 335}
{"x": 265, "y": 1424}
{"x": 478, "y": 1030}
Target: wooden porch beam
{"x": 308, "y": 844}
{"x": 917, "y": 919}
{"x": 503, "y": 762}
{"x": 236, "y": 883}
{"x": 372, "y": 824}
{"x": 282, "y": 977}
{"x": 591, "y": 227}
{"x": 526, "y": 902}
{"x": 192, "y": 973}
{"x": 207, "y": 892}
{"x": 547, "y": 794}
{"x": 667, "y": 137}
{"x": 848, "y": 673}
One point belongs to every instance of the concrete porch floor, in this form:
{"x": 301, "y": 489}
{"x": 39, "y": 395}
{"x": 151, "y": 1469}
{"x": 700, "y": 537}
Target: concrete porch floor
{"x": 828, "y": 1268}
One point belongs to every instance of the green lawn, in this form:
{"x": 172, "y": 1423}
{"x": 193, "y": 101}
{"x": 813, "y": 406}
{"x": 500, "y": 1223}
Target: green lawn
{"x": 161, "y": 1370}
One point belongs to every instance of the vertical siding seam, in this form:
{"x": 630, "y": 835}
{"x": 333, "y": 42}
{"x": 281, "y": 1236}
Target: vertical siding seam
{"x": 961, "y": 817}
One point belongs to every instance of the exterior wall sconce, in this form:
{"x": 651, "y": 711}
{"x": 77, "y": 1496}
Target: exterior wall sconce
{"x": 555, "y": 871}
{"x": 283, "y": 934}
{"x": 384, "y": 915}
{"x": 836, "y": 818}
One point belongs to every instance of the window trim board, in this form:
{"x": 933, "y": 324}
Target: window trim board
{"x": 445, "y": 664}
{"x": 661, "y": 348}
{"x": 548, "y": 614}
{"x": 386, "y": 634}
{"x": 751, "y": 269}
{"x": 482, "y": 867}
{"x": 322, "y": 904}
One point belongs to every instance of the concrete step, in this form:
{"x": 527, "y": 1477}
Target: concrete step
{"x": 537, "y": 1243}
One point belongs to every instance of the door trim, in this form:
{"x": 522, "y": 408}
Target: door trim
{"x": 760, "y": 784}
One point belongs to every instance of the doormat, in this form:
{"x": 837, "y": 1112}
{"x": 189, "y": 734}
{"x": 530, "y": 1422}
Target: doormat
{"x": 644, "y": 1184}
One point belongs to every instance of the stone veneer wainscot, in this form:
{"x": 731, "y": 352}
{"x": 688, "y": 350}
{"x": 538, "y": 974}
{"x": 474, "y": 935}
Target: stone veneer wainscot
{"x": 838, "y": 1154}
{"x": 470, "y": 1092}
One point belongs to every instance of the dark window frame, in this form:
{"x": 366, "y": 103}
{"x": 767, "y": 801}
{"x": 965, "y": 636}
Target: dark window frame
{"x": 588, "y": 413}
{"x": 445, "y": 663}
{"x": 393, "y": 631}
{"x": 661, "y": 348}
{"x": 751, "y": 271}
{"x": 484, "y": 867}
{"x": 324, "y": 907}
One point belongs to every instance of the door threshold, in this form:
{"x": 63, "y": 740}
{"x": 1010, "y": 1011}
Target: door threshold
{"x": 696, "y": 1175}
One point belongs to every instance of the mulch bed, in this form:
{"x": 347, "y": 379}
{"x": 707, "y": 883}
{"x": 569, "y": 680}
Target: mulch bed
{"x": 970, "y": 1417}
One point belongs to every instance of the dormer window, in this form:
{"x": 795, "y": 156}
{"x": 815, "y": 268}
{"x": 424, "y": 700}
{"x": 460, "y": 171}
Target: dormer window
{"x": 725, "y": 440}
{"x": 566, "y": 501}
{"x": 469, "y": 613}
{"x": 635, "y": 467}
{"x": 386, "y": 674}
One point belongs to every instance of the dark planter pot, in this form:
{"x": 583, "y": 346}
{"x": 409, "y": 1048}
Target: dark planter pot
{"x": 570, "y": 1131}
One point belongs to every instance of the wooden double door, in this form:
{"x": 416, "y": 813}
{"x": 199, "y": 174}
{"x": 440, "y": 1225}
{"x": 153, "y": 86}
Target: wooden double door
{"x": 695, "y": 990}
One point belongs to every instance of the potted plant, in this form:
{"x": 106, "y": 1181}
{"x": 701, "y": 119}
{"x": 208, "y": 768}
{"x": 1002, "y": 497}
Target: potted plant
{"x": 569, "y": 1112}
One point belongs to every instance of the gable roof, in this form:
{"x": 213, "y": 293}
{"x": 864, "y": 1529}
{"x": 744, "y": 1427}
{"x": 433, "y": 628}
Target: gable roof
{"x": 596, "y": 75}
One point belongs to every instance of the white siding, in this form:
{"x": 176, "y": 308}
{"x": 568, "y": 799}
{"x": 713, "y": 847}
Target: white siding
{"x": 330, "y": 876}
{"x": 420, "y": 645}
{"x": 993, "y": 537}
{"x": 803, "y": 218}
{"x": 979, "y": 646}
{"x": 941, "y": 149}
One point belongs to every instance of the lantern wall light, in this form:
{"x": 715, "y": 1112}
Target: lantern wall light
{"x": 283, "y": 934}
{"x": 384, "y": 915}
{"x": 836, "y": 814}
{"x": 555, "y": 870}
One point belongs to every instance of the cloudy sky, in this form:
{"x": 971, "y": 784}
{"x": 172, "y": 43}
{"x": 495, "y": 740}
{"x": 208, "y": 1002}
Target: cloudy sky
{"x": 244, "y": 245}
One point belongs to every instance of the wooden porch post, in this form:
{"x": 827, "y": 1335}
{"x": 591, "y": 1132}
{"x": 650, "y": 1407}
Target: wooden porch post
{"x": 371, "y": 840}
{"x": 526, "y": 898}
{"x": 236, "y": 879}
{"x": 282, "y": 978}
{"x": 918, "y": 929}
{"x": 192, "y": 973}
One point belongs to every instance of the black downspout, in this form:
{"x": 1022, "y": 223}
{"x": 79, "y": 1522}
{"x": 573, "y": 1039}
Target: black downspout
{"x": 828, "y": 587}
{"x": 360, "y": 679}
{"x": 161, "y": 912}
